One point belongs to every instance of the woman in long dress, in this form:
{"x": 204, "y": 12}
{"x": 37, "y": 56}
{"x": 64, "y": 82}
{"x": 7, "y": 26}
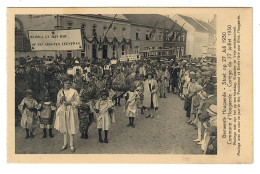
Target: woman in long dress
{"x": 150, "y": 100}
{"x": 67, "y": 121}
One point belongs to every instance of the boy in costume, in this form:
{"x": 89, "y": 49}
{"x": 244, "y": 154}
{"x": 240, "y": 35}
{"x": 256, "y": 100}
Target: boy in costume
{"x": 46, "y": 113}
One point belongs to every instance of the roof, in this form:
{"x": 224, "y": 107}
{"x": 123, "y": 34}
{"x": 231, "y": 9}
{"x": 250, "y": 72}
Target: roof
{"x": 199, "y": 25}
{"x": 150, "y": 20}
{"x": 118, "y": 17}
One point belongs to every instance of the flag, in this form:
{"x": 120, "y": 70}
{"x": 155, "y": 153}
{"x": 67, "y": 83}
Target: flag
{"x": 180, "y": 31}
{"x": 110, "y": 25}
{"x": 171, "y": 29}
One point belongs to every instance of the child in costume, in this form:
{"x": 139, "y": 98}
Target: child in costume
{"x": 85, "y": 110}
{"x": 104, "y": 115}
{"x": 46, "y": 112}
{"x": 28, "y": 108}
{"x": 131, "y": 109}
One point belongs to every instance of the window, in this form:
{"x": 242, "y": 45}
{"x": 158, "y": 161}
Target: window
{"x": 83, "y": 26}
{"x": 182, "y": 38}
{"x": 147, "y": 36}
{"x": 182, "y": 51}
{"x": 124, "y": 31}
{"x": 104, "y": 30}
{"x": 137, "y": 36}
{"x": 174, "y": 36}
{"x": 123, "y": 50}
{"x": 153, "y": 37}
{"x": 114, "y": 50}
{"x": 178, "y": 52}
{"x": 82, "y": 54}
{"x": 69, "y": 54}
{"x": 136, "y": 50}
{"x": 146, "y": 48}
{"x": 94, "y": 51}
{"x": 178, "y": 38}
{"x": 94, "y": 30}
{"x": 167, "y": 37}
{"x": 104, "y": 51}
{"x": 69, "y": 25}
{"x": 160, "y": 36}
{"x": 114, "y": 31}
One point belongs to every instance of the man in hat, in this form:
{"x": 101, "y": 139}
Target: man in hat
{"x": 163, "y": 78}
{"x": 211, "y": 127}
{"x": 211, "y": 100}
{"x": 175, "y": 78}
{"x": 76, "y": 68}
{"x": 203, "y": 96}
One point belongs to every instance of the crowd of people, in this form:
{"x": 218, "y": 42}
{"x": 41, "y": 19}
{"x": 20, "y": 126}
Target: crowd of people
{"x": 70, "y": 94}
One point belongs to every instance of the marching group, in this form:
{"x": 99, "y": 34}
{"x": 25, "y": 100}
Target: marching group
{"x": 70, "y": 95}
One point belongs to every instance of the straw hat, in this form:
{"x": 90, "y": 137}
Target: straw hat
{"x": 212, "y": 110}
{"x": 203, "y": 95}
{"x": 28, "y": 91}
{"x": 104, "y": 92}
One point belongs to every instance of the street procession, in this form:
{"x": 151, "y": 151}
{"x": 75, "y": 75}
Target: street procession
{"x": 89, "y": 78}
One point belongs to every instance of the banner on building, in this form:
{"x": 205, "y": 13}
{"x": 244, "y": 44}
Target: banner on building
{"x": 54, "y": 40}
{"x": 129, "y": 57}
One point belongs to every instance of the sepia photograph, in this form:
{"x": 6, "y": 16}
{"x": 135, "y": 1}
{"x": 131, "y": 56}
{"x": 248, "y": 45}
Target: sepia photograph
{"x": 116, "y": 83}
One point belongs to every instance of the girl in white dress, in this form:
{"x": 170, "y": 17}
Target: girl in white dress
{"x": 131, "y": 109}
{"x": 104, "y": 115}
{"x": 67, "y": 121}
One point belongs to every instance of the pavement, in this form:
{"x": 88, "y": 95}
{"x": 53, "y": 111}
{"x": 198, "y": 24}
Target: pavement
{"x": 167, "y": 133}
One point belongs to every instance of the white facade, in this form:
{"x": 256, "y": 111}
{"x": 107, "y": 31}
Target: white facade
{"x": 198, "y": 44}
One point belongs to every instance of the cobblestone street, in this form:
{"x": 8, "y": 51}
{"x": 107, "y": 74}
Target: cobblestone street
{"x": 167, "y": 133}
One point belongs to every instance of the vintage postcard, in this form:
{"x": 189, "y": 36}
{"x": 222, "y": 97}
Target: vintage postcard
{"x": 130, "y": 85}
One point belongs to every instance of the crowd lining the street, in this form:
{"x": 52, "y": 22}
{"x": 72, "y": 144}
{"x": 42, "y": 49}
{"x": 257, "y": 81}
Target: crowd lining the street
{"x": 70, "y": 94}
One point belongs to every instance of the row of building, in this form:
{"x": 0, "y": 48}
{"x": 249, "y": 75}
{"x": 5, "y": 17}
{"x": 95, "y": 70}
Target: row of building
{"x": 128, "y": 34}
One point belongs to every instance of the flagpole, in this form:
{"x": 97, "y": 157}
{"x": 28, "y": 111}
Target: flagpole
{"x": 110, "y": 25}
{"x": 107, "y": 30}
{"x": 180, "y": 31}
